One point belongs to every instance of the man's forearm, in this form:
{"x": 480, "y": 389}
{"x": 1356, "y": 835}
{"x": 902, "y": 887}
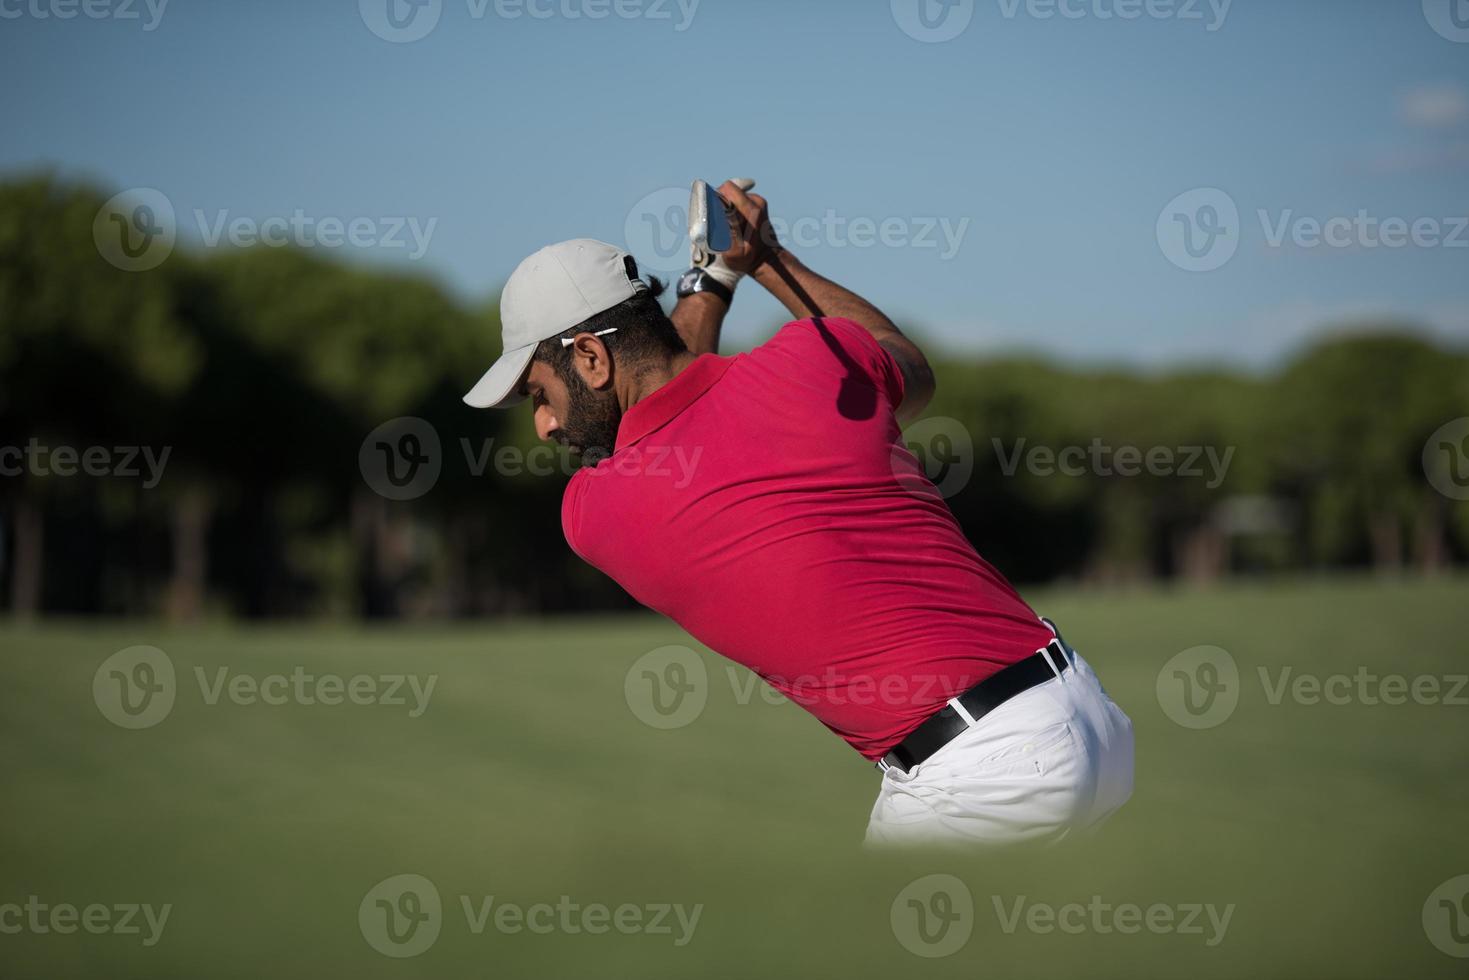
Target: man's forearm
{"x": 806, "y": 293}
{"x": 698, "y": 319}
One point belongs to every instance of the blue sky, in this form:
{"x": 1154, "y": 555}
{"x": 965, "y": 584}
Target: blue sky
{"x": 1047, "y": 145}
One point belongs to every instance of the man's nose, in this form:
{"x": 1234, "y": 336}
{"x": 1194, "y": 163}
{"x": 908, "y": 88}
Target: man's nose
{"x": 546, "y": 424}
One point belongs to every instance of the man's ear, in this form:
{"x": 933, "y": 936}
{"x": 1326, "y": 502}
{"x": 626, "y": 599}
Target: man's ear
{"x": 589, "y": 357}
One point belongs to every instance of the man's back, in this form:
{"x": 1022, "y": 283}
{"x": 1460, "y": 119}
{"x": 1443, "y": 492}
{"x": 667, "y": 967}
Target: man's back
{"x": 766, "y": 503}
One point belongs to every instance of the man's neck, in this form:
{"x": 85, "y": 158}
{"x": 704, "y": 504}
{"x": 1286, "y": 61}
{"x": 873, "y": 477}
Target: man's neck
{"x": 651, "y": 379}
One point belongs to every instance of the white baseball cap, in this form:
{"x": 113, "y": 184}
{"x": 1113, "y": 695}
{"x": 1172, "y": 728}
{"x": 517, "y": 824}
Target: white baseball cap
{"x": 551, "y": 292}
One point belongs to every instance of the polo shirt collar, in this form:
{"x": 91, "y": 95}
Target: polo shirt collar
{"x": 665, "y": 404}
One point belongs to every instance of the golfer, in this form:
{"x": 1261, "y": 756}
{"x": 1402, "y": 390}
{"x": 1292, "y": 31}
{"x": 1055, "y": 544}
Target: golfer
{"x": 766, "y": 503}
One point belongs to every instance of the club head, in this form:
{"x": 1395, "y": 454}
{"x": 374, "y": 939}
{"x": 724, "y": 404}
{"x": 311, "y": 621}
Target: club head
{"x": 708, "y": 224}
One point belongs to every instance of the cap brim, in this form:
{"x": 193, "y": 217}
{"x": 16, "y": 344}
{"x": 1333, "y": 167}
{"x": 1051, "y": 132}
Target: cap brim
{"x": 500, "y": 387}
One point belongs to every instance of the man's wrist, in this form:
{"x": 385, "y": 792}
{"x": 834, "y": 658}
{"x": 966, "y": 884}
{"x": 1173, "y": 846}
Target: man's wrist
{"x": 697, "y": 281}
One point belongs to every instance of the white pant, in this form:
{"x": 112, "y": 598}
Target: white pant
{"x": 1046, "y": 764}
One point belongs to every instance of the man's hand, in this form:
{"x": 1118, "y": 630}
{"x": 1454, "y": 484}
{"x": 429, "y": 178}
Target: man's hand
{"x": 699, "y": 317}
{"x": 753, "y": 240}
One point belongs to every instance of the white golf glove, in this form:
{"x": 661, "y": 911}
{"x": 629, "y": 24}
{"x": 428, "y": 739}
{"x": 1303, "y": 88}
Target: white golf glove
{"x": 713, "y": 262}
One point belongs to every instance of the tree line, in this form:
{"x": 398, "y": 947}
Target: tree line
{"x": 194, "y": 439}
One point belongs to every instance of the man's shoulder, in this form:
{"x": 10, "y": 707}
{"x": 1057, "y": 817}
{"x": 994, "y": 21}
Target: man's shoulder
{"x": 573, "y": 506}
{"x": 835, "y": 334}
{"x": 833, "y": 345}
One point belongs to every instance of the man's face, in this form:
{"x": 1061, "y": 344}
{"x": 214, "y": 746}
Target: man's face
{"x": 572, "y": 413}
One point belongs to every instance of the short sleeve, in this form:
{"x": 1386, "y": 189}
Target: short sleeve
{"x": 860, "y": 353}
{"x": 571, "y": 511}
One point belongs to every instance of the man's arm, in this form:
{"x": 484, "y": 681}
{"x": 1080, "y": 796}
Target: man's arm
{"x": 698, "y": 319}
{"x": 808, "y": 294}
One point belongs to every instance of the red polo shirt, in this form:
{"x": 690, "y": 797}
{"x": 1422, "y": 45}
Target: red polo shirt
{"x": 767, "y": 504}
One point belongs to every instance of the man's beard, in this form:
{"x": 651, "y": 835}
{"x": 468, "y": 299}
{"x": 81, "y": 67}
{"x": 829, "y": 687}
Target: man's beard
{"x": 591, "y": 426}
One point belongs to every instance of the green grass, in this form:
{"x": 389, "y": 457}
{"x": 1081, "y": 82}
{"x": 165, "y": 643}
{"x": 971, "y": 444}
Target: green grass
{"x": 529, "y": 778}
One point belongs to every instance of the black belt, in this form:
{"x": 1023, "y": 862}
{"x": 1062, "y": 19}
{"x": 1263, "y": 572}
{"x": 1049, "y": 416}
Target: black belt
{"x": 942, "y": 726}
